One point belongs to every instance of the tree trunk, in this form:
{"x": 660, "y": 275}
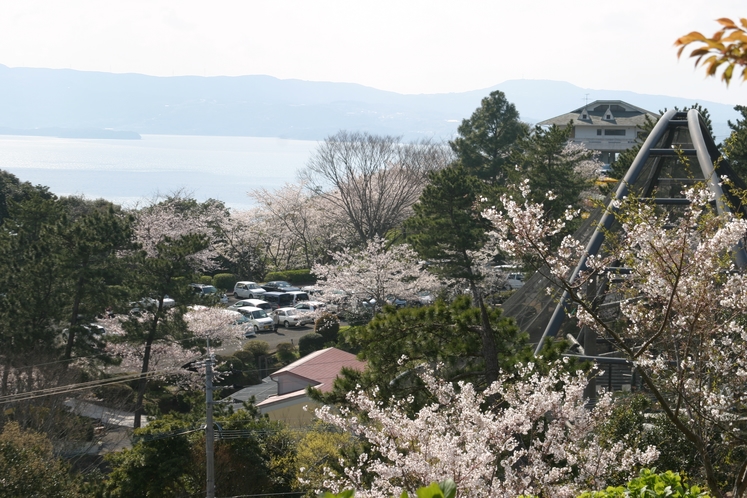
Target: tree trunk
{"x": 73, "y": 320}
{"x": 144, "y": 381}
{"x": 489, "y": 350}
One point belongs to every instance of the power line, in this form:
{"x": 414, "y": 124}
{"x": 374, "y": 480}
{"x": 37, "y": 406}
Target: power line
{"x": 81, "y": 386}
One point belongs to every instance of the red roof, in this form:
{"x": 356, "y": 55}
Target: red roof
{"x": 321, "y": 367}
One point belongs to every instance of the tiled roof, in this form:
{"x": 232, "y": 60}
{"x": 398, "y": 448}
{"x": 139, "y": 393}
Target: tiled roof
{"x": 322, "y": 367}
{"x": 631, "y": 116}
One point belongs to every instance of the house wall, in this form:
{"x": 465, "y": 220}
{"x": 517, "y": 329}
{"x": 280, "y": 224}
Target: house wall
{"x": 605, "y": 143}
{"x": 290, "y": 383}
{"x": 293, "y": 414}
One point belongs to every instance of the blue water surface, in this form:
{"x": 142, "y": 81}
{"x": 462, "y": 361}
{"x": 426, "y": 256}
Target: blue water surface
{"x": 131, "y": 172}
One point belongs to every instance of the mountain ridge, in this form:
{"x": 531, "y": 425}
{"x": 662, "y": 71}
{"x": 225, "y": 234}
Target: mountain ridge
{"x": 265, "y": 106}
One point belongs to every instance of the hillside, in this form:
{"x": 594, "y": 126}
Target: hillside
{"x": 264, "y": 106}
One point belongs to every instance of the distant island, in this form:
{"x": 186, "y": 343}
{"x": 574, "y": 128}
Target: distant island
{"x": 72, "y": 133}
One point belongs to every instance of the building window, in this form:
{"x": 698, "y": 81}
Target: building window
{"x": 618, "y": 133}
{"x": 599, "y": 132}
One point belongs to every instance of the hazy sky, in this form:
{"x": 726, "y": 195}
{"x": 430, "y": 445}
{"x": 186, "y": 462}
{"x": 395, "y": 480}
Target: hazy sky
{"x": 406, "y": 46}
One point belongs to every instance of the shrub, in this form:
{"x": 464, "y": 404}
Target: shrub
{"x": 257, "y": 348}
{"x": 300, "y": 277}
{"x": 286, "y": 352}
{"x": 205, "y": 279}
{"x": 328, "y": 326}
{"x": 246, "y": 356}
{"x": 310, "y": 343}
{"x": 224, "y": 281}
{"x": 651, "y": 484}
{"x": 237, "y": 373}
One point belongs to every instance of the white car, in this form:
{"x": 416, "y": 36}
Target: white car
{"x": 257, "y": 319}
{"x": 257, "y": 303}
{"x": 150, "y": 304}
{"x": 248, "y": 290}
{"x": 290, "y": 317}
{"x": 514, "y": 281}
{"x": 315, "y": 307}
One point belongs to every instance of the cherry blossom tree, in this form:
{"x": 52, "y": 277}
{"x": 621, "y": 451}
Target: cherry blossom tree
{"x": 680, "y": 311}
{"x": 538, "y": 440}
{"x": 371, "y": 275}
{"x": 169, "y": 354}
{"x": 176, "y": 239}
{"x": 306, "y": 219}
{"x": 241, "y": 244}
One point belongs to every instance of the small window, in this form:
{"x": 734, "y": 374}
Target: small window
{"x": 617, "y": 133}
{"x": 599, "y": 131}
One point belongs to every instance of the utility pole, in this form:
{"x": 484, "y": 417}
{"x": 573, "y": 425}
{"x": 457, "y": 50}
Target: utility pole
{"x": 209, "y": 430}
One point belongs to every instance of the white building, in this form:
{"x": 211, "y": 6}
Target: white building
{"x": 609, "y": 126}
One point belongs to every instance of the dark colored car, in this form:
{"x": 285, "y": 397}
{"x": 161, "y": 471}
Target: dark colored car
{"x": 278, "y": 299}
{"x": 279, "y": 286}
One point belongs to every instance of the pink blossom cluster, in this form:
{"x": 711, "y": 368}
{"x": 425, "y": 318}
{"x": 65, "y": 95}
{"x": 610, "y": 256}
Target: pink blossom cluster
{"x": 169, "y": 354}
{"x": 518, "y": 437}
{"x": 374, "y": 273}
{"x": 167, "y": 220}
{"x": 678, "y": 312}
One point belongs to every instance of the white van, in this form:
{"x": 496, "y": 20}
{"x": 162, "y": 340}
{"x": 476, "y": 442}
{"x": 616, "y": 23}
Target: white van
{"x": 257, "y": 318}
{"x": 248, "y": 290}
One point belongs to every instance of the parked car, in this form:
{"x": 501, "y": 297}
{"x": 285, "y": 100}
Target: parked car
{"x": 514, "y": 281}
{"x": 313, "y": 309}
{"x": 278, "y": 299}
{"x": 315, "y": 306}
{"x": 248, "y": 290}
{"x": 209, "y": 292}
{"x": 298, "y": 296}
{"x": 279, "y": 286}
{"x": 290, "y": 317}
{"x": 150, "y": 304}
{"x": 257, "y": 318}
{"x": 243, "y": 323}
{"x": 257, "y": 303}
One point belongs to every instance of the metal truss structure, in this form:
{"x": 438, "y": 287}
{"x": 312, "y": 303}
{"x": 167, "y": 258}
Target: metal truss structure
{"x": 679, "y": 152}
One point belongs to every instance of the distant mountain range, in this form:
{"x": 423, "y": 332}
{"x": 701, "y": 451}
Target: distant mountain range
{"x": 78, "y": 103}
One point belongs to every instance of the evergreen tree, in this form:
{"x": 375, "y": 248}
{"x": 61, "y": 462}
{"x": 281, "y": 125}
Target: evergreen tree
{"x": 487, "y": 138}
{"x": 447, "y": 231}
{"x": 552, "y": 164}
{"x": 398, "y": 343}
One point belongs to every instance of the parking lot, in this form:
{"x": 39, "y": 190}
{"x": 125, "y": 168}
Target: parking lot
{"x": 292, "y": 334}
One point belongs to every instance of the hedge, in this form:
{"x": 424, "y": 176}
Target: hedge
{"x": 300, "y": 277}
{"x": 310, "y": 343}
{"x": 224, "y": 281}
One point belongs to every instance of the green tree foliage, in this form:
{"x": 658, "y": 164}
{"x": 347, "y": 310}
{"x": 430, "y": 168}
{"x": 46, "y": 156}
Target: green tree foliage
{"x": 91, "y": 265}
{"x": 317, "y": 452}
{"x": 398, "y": 342}
{"x": 168, "y": 458}
{"x": 447, "y": 230}
{"x": 158, "y": 276}
{"x": 328, "y": 326}
{"x": 550, "y": 163}
{"x": 633, "y": 420}
{"x": 309, "y": 343}
{"x": 735, "y": 146}
{"x": 13, "y": 190}
{"x": 487, "y": 138}
{"x": 652, "y": 484}
{"x": 28, "y": 466}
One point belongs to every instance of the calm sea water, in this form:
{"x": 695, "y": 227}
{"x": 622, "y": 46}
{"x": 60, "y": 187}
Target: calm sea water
{"x": 132, "y": 171}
